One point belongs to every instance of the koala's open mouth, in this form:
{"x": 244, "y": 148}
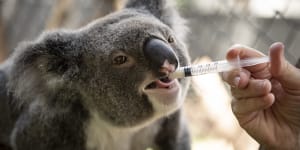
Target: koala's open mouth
{"x": 163, "y": 83}
{"x": 163, "y": 92}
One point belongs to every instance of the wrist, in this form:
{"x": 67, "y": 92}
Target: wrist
{"x": 268, "y": 147}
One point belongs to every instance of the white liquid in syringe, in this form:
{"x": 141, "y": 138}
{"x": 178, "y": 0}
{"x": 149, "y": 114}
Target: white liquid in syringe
{"x": 217, "y": 66}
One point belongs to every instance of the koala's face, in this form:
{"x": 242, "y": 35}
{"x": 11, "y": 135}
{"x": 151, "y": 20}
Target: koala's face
{"x": 118, "y": 64}
{"x": 128, "y": 61}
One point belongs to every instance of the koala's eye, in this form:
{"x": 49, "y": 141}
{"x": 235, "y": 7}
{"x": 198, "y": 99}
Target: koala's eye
{"x": 171, "y": 39}
{"x": 119, "y": 60}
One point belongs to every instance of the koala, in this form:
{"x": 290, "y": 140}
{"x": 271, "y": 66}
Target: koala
{"x": 104, "y": 86}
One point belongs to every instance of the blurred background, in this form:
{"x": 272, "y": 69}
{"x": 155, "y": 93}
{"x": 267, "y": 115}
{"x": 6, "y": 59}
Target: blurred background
{"x": 214, "y": 25}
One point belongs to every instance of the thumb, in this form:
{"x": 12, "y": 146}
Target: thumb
{"x": 281, "y": 69}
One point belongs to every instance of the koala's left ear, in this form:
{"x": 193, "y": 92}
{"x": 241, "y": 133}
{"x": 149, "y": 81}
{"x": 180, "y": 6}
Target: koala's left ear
{"x": 55, "y": 55}
{"x": 162, "y": 9}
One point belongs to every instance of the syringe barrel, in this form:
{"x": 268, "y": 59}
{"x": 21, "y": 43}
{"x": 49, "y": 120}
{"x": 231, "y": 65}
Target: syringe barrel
{"x": 218, "y": 66}
{"x": 213, "y": 67}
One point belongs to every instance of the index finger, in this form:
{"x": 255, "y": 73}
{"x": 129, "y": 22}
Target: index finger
{"x": 244, "y": 52}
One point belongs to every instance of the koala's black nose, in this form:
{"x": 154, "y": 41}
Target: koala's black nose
{"x": 158, "y": 53}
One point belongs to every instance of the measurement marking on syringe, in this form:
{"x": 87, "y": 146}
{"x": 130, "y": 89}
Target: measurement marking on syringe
{"x": 202, "y": 69}
{"x": 217, "y": 66}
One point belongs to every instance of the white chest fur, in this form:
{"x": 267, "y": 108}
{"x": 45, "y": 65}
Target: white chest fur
{"x": 101, "y": 136}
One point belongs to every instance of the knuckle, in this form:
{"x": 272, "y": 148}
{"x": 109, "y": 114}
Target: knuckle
{"x": 236, "y": 46}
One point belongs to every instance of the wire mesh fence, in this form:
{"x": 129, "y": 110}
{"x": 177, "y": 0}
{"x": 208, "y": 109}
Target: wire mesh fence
{"x": 232, "y": 22}
{"x": 215, "y": 24}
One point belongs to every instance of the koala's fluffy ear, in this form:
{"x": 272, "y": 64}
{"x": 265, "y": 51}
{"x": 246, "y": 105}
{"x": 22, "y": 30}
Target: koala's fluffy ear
{"x": 164, "y": 10}
{"x": 55, "y": 55}
{"x": 44, "y": 65}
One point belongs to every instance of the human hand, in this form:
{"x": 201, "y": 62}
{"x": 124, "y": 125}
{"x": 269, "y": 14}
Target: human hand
{"x": 267, "y": 98}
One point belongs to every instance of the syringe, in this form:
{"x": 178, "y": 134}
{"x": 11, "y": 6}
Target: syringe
{"x": 217, "y": 66}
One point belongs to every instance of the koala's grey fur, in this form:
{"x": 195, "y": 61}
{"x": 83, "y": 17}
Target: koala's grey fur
{"x": 64, "y": 93}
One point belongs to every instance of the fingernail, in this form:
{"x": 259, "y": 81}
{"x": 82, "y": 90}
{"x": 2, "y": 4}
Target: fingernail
{"x": 236, "y": 81}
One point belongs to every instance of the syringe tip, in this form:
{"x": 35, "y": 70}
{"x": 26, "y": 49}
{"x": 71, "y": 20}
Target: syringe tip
{"x": 179, "y": 73}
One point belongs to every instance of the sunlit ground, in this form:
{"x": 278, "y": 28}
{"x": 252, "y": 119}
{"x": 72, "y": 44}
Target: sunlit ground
{"x": 211, "y": 122}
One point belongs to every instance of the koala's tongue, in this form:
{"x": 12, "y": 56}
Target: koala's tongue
{"x": 161, "y": 83}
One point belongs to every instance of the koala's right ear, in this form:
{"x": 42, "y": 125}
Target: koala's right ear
{"x": 55, "y": 55}
{"x": 164, "y": 10}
